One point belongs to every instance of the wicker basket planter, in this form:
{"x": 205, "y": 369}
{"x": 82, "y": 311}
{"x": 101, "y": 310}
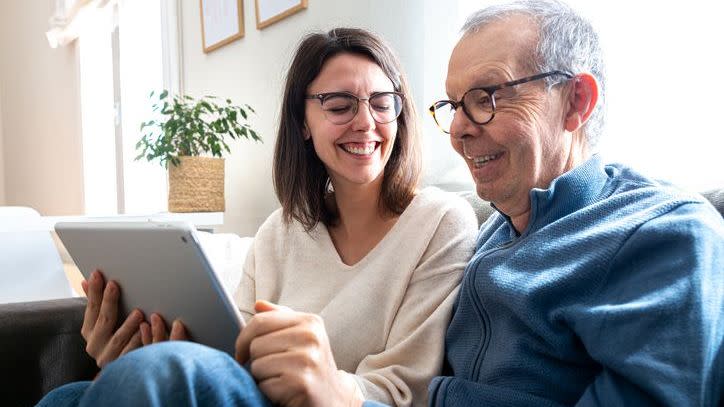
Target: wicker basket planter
{"x": 196, "y": 185}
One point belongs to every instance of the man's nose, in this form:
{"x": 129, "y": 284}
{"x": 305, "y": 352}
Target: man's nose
{"x": 461, "y": 125}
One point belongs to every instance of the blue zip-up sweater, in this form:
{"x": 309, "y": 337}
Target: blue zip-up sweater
{"x": 611, "y": 296}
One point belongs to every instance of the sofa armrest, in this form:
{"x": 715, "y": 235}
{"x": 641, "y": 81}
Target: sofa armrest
{"x": 41, "y": 348}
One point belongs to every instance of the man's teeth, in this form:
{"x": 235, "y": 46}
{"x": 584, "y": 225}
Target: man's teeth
{"x": 365, "y": 149}
{"x": 482, "y": 160}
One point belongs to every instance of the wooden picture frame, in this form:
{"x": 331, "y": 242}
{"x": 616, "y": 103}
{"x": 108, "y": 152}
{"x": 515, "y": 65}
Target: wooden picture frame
{"x": 269, "y": 12}
{"x": 222, "y": 22}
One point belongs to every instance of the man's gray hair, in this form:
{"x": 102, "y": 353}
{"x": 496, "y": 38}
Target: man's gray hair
{"x": 567, "y": 42}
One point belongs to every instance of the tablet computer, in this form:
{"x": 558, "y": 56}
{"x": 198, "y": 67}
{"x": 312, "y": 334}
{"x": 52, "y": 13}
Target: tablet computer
{"x": 160, "y": 267}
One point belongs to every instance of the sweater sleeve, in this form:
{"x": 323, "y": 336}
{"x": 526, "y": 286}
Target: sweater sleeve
{"x": 656, "y": 324}
{"x": 399, "y": 375}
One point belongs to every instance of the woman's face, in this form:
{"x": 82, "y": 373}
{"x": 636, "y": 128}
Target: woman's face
{"x": 354, "y": 153}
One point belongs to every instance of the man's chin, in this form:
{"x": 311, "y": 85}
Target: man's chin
{"x": 484, "y": 191}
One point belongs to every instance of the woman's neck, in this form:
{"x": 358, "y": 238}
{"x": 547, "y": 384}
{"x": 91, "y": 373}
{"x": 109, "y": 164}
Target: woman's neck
{"x": 359, "y": 207}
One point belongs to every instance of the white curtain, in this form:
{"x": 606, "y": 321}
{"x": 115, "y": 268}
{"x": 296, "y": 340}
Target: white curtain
{"x": 71, "y": 17}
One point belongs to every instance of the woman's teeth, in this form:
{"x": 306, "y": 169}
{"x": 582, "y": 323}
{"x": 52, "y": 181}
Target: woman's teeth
{"x": 359, "y": 148}
{"x": 482, "y": 160}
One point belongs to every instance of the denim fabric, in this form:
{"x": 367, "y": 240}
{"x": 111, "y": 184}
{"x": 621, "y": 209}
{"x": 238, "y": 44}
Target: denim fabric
{"x": 67, "y": 395}
{"x": 166, "y": 374}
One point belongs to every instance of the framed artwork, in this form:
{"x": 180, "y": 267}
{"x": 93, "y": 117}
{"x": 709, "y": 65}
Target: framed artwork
{"x": 269, "y": 12}
{"x": 222, "y": 21}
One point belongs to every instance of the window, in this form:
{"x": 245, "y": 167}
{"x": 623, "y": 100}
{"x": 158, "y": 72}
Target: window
{"x": 124, "y": 55}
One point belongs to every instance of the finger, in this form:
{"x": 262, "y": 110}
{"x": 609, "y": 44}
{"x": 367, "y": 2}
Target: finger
{"x": 158, "y": 328}
{"x": 302, "y": 335}
{"x": 146, "y": 336}
{"x": 264, "y": 306}
{"x": 262, "y": 324}
{"x": 178, "y": 331}
{"x": 281, "y": 390}
{"x": 106, "y": 322}
{"x": 120, "y": 339}
{"x": 289, "y": 363}
{"x": 93, "y": 306}
{"x": 134, "y": 343}
{"x": 84, "y": 286}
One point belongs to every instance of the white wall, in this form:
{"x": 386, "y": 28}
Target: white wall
{"x": 251, "y": 70}
{"x": 40, "y": 113}
{"x": 2, "y": 158}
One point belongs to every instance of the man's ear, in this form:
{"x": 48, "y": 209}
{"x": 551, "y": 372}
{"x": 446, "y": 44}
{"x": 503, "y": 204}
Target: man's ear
{"x": 581, "y": 101}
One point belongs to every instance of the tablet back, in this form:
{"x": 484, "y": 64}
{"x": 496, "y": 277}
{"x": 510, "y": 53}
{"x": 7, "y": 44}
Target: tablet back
{"x": 161, "y": 268}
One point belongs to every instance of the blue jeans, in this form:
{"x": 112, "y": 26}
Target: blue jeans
{"x": 166, "y": 374}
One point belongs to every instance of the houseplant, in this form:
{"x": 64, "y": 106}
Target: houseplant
{"x": 191, "y": 134}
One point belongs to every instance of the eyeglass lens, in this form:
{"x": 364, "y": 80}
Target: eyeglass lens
{"x": 342, "y": 108}
{"x": 478, "y": 104}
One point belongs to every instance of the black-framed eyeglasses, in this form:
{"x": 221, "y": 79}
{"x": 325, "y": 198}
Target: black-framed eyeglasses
{"x": 341, "y": 107}
{"x": 479, "y": 103}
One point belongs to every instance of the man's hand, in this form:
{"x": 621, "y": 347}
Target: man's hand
{"x": 292, "y": 361}
{"x": 103, "y": 342}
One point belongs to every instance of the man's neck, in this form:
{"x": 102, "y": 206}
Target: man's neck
{"x": 578, "y": 154}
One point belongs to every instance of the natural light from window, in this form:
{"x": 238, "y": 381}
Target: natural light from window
{"x": 141, "y": 71}
{"x": 97, "y": 115}
{"x": 113, "y": 107}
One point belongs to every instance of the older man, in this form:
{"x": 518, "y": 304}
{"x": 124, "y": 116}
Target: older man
{"x": 592, "y": 285}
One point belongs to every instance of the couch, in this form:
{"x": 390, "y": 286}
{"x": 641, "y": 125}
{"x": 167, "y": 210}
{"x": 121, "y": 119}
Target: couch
{"x": 41, "y": 346}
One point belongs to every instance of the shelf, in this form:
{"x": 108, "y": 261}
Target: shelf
{"x": 202, "y": 220}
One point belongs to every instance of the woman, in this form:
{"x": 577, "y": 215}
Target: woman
{"x": 366, "y": 266}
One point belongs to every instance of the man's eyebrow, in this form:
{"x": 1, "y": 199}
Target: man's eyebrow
{"x": 490, "y": 79}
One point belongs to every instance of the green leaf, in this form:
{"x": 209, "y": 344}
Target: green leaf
{"x": 183, "y": 125}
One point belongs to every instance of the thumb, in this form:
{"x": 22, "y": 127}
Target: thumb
{"x": 264, "y": 306}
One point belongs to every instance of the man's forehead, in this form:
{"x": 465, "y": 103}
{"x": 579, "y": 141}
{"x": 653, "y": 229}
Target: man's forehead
{"x": 492, "y": 55}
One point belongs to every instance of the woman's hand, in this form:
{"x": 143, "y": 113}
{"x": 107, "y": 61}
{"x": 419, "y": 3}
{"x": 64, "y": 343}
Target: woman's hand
{"x": 292, "y": 361}
{"x": 157, "y": 332}
{"x": 104, "y": 342}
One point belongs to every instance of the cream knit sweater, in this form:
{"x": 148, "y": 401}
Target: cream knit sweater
{"x": 386, "y": 315}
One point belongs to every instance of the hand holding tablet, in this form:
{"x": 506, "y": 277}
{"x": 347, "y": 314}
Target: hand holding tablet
{"x": 160, "y": 268}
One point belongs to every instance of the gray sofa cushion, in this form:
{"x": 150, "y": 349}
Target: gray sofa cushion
{"x": 716, "y": 197}
{"x": 41, "y": 348}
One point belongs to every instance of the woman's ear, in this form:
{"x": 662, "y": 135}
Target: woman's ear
{"x": 581, "y": 101}
{"x": 307, "y": 133}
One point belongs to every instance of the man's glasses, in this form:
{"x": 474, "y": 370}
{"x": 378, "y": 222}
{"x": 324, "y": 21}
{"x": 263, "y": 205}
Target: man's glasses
{"x": 341, "y": 107}
{"x": 479, "y": 103}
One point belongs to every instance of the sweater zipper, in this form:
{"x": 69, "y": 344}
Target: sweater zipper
{"x": 482, "y": 313}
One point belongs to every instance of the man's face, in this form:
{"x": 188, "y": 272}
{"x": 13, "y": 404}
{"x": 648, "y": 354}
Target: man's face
{"x": 525, "y": 145}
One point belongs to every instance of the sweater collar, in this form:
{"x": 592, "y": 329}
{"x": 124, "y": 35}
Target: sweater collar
{"x": 568, "y": 193}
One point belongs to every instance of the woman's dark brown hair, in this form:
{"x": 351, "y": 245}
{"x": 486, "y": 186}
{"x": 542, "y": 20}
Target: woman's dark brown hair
{"x": 300, "y": 179}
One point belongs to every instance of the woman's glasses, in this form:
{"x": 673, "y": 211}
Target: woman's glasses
{"x": 342, "y": 107}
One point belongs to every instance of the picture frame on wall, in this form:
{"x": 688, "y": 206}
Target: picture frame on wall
{"x": 222, "y": 22}
{"x": 269, "y": 12}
